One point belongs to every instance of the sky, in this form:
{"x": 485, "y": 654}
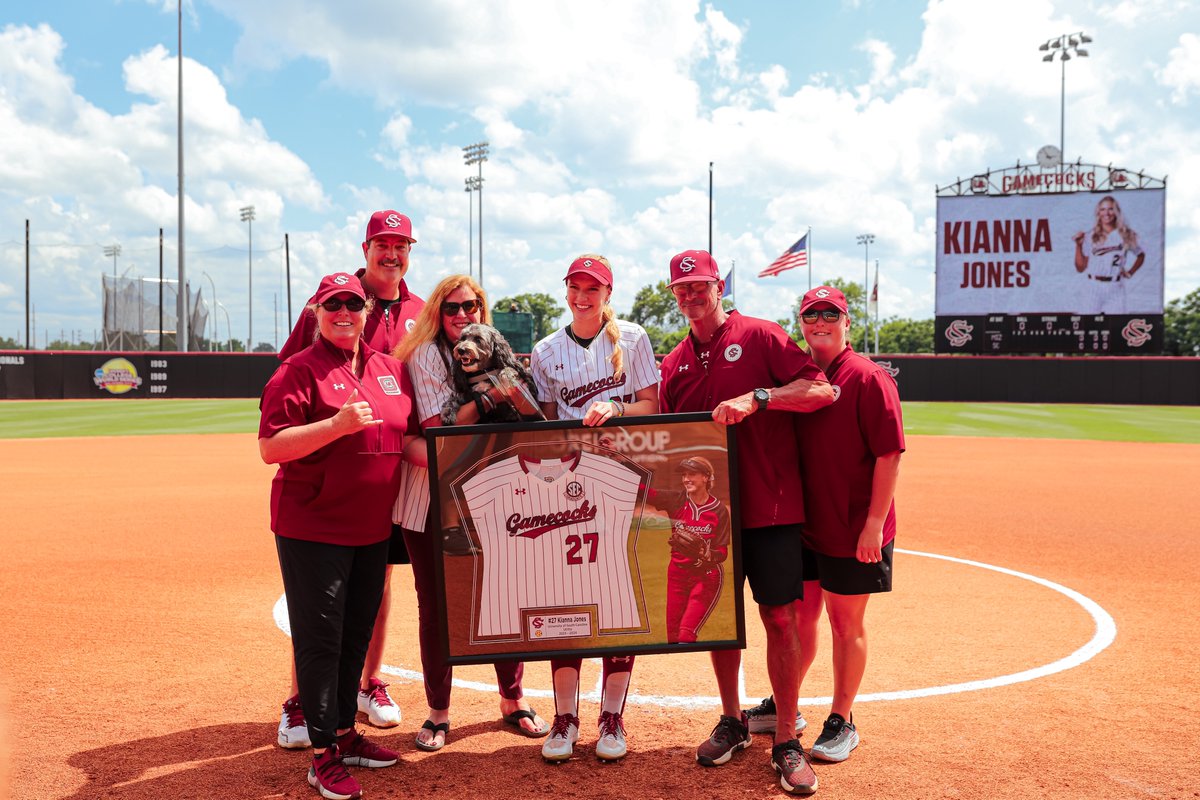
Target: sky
{"x": 601, "y": 118}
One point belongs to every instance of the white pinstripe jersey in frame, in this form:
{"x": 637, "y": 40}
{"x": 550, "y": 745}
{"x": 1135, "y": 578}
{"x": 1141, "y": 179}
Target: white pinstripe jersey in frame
{"x": 431, "y": 385}
{"x": 574, "y": 377}
{"x": 554, "y": 533}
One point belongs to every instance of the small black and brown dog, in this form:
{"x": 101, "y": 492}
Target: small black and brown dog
{"x": 486, "y": 372}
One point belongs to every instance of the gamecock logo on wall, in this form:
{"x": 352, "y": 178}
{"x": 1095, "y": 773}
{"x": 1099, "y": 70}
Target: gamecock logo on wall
{"x": 1137, "y": 332}
{"x": 959, "y": 332}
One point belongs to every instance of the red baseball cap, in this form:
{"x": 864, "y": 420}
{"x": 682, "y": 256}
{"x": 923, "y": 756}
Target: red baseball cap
{"x": 692, "y": 266}
{"x": 389, "y": 223}
{"x": 593, "y": 265}
{"x": 824, "y": 294}
{"x": 339, "y": 283}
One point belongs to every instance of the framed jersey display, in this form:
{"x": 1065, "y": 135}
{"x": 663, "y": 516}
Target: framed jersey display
{"x": 559, "y": 539}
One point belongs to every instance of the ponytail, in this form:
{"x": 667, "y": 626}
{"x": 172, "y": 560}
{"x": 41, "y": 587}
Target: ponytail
{"x": 617, "y": 360}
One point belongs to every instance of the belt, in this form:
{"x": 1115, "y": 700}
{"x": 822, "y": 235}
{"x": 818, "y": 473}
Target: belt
{"x": 1103, "y": 278}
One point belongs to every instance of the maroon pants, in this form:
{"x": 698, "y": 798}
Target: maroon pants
{"x": 691, "y": 597}
{"x": 422, "y": 549}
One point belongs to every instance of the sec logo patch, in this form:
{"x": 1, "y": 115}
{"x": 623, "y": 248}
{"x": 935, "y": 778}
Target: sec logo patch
{"x": 733, "y": 352}
{"x": 408, "y": 326}
{"x": 837, "y": 392}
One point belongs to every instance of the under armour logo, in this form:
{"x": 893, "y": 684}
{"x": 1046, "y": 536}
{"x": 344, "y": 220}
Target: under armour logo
{"x": 519, "y": 491}
{"x": 342, "y": 280}
{"x": 704, "y": 355}
{"x": 822, "y": 293}
{"x": 683, "y": 367}
{"x": 393, "y": 221}
{"x": 558, "y": 366}
{"x": 339, "y": 386}
{"x": 687, "y": 265}
{"x": 587, "y": 262}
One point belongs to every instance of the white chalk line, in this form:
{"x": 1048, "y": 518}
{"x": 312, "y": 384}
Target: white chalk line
{"x": 1105, "y": 633}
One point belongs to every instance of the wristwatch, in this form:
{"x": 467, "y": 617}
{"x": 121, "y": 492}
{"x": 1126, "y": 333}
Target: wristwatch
{"x": 761, "y": 398}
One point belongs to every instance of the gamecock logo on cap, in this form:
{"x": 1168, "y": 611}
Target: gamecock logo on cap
{"x": 342, "y": 280}
{"x": 393, "y": 221}
{"x": 1137, "y": 332}
{"x": 959, "y": 332}
{"x": 687, "y": 265}
{"x": 822, "y": 293}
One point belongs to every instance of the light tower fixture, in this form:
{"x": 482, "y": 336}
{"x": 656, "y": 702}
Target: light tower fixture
{"x": 248, "y": 218}
{"x": 1062, "y": 48}
{"x": 477, "y": 154}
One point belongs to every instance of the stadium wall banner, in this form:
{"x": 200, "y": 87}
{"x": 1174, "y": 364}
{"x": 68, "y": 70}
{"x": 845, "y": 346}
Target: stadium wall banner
{"x": 1050, "y": 254}
{"x": 559, "y": 540}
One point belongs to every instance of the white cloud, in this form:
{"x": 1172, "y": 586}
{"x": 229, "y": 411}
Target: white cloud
{"x": 1182, "y": 72}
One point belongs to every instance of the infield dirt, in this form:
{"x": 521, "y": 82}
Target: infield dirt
{"x": 141, "y": 659}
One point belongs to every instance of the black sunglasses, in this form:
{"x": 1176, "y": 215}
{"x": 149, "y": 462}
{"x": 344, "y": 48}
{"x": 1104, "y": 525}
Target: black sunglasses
{"x": 827, "y": 314}
{"x": 351, "y": 304}
{"x": 468, "y": 307}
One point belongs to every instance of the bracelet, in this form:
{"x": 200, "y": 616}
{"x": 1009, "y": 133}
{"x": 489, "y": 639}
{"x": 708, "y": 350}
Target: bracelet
{"x": 619, "y": 405}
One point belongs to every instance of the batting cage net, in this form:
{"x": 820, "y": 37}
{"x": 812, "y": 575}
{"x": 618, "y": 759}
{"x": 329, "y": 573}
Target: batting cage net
{"x": 136, "y": 319}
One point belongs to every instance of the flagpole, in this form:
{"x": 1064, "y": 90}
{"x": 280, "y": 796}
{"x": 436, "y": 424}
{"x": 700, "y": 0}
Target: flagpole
{"x": 733, "y": 289}
{"x": 809, "y": 235}
{"x": 875, "y": 292}
{"x": 710, "y": 204}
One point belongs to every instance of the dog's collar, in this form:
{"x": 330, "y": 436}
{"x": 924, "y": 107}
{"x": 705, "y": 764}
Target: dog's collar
{"x": 480, "y": 376}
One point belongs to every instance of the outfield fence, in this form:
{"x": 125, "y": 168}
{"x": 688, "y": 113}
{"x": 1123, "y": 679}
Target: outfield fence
{"x": 26, "y": 374}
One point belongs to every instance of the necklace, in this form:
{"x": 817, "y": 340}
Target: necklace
{"x": 584, "y": 343}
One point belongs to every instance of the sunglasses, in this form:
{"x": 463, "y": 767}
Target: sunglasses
{"x": 827, "y": 314}
{"x": 351, "y": 304}
{"x": 468, "y": 307}
{"x": 697, "y": 287}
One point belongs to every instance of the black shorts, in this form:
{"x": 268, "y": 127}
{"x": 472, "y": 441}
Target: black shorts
{"x": 773, "y": 562}
{"x": 397, "y": 549}
{"x": 849, "y": 575}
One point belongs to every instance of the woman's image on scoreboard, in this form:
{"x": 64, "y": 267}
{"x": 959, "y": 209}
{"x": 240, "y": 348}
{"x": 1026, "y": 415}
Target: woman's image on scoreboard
{"x": 1109, "y": 255}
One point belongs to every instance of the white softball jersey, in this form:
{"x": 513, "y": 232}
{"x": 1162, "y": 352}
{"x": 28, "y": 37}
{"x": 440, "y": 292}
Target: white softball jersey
{"x": 431, "y": 386}
{"x": 574, "y": 377}
{"x": 1105, "y": 261}
{"x": 555, "y": 533}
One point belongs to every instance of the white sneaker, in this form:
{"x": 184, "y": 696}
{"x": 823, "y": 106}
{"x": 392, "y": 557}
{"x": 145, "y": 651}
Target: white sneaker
{"x": 293, "y": 730}
{"x": 377, "y": 704}
{"x": 611, "y": 744}
{"x": 560, "y": 744}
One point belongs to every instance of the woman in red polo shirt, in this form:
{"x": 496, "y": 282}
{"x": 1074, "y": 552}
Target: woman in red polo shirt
{"x": 850, "y": 459}
{"x": 334, "y": 418}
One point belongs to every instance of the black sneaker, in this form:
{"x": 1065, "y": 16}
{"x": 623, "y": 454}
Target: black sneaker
{"x": 795, "y": 773}
{"x": 727, "y": 738}
{"x": 762, "y": 717}
{"x": 837, "y": 739}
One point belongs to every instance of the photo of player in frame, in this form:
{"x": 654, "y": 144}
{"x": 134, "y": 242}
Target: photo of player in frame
{"x": 558, "y": 538}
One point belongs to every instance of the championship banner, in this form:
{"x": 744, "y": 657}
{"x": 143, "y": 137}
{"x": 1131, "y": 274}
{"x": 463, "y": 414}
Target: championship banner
{"x": 1081, "y": 253}
{"x": 563, "y": 540}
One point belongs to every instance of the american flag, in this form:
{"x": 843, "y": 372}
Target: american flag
{"x": 794, "y": 256}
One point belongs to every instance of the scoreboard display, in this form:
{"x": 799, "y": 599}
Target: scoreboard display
{"x": 1054, "y": 272}
{"x": 1101, "y": 334}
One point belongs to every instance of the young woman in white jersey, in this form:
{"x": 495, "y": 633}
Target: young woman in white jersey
{"x": 1103, "y": 253}
{"x": 596, "y": 368}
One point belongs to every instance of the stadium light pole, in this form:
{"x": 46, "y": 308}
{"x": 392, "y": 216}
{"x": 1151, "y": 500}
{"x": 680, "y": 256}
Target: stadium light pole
{"x": 112, "y": 251}
{"x": 1061, "y": 47}
{"x": 477, "y": 154}
{"x": 469, "y": 189}
{"x": 865, "y": 240}
{"x": 228, "y": 328}
{"x": 248, "y": 218}
{"x": 214, "y": 288}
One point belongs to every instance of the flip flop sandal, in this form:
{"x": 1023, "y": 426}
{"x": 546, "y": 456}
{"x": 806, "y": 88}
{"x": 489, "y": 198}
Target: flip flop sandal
{"x": 515, "y": 718}
{"x": 442, "y": 728}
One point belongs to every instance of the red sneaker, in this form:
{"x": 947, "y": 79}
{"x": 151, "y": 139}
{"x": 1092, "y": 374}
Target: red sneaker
{"x": 328, "y": 776}
{"x": 359, "y": 751}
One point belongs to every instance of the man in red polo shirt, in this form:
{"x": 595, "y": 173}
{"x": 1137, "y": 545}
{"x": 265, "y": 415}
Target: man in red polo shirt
{"x": 748, "y": 373}
{"x": 386, "y": 249}
{"x": 850, "y": 455}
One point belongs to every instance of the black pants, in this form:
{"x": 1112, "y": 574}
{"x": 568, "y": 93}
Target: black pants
{"x": 333, "y": 595}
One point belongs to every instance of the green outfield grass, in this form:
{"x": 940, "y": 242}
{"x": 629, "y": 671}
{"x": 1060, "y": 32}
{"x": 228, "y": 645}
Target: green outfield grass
{"x": 27, "y": 419}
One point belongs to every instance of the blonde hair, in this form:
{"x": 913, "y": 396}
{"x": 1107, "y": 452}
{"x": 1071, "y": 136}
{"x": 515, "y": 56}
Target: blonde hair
{"x": 1128, "y": 236}
{"x": 428, "y": 325}
{"x": 609, "y": 319}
